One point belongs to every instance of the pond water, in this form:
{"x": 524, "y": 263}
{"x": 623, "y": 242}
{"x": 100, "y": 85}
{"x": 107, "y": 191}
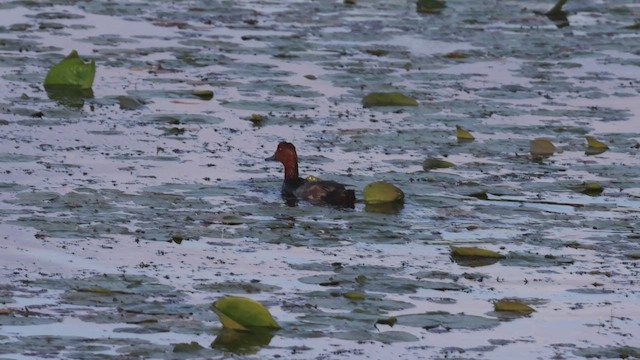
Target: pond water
{"x": 126, "y": 214}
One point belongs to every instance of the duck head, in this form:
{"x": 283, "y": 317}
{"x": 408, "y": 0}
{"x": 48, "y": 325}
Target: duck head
{"x": 286, "y": 154}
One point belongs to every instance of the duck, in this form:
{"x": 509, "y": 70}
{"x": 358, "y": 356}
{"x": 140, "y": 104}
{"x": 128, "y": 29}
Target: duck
{"x": 315, "y": 191}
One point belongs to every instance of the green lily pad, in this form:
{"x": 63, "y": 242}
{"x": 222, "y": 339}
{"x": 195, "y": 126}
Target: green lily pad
{"x": 513, "y": 306}
{"x": 354, "y": 295}
{"x": 463, "y": 134}
{"x": 72, "y": 71}
{"x": 241, "y": 313}
{"x": 430, "y": 6}
{"x": 382, "y": 192}
{"x": 203, "y": 94}
{"x": 592, "y": 188}
{"x": 388, "y": 99}
{"x": 594, "y": 143}
{"x": 474, "y": 256}
{"x": 432, "y": 163}
{"x": 542, "y": 148}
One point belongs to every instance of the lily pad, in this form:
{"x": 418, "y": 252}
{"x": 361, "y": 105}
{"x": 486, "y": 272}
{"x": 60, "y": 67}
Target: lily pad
{"x": 433, "y": 163}
{"x": 430, "y": 6}
{"x": 594, "y": 143}
{"x": 542, "y": 148}
{"x": 592, "y": 188}
{"x": 203, "y": 94}
{"x": 382, "y": 192}
{"x": 463, "y": 134}
{"x": 474, "y": 256}
{"x": 513, "y": 306}
{"x": 72, "y": 71}
{"x": 595, "y": 146}
{"x": 241, "y": 313}
{"x": 388, "y": 99}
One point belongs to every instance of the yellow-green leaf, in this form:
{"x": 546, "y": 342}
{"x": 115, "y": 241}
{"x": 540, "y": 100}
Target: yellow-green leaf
{"x": 71, "y": 72}
{"x": 596, "y": 144}
{"x": 382, "y": 192}
{"x": 514, "y": 306}
{"x": 592, "y": 188}
{"x": 464, "y": 134}
{"x": 203, "y": 94}
{"x": 388, "y": 321}
{"x": 241, "y": 313}
{"x": 430, "y": 164}
{"x": 542, "y": 147}
{"x": 475, "y": 252}
{"x": 388, "y": 99}
{"x": 353, "y": 295}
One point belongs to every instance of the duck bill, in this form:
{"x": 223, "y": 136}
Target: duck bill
{"x": 271, "y": 158}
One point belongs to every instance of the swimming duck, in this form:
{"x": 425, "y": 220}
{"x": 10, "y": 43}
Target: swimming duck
{"x": 315, "y": 191}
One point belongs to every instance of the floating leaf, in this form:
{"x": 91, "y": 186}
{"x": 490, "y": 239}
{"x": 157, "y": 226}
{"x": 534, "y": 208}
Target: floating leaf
{"x": 432, "y": 163}
{"x": 382, "y": 192}
{"x": 241, "y": 313}
{"x": 464, "y": 134}
{"x": 514, "y": 306}
{"x": 71, "y": 71}
{"x": 187, "y": 347}
{"x": 203, "y": 94}
{"x": 388, "y": 321}
{"x": 595, "y": 146}
{"x": 388, "y": 99}
{"x": 353, "y": 295}
{"x": 430, "y": 6}
{"x": 594, "y": 143}
{"x": 456, "y": 55}
{"x": 592, "y": 188}
{"x": 257, "y": 119}
{"x": 377, "y": 52}
{"x": 558, "y": 15}
{"x": 130, "y": 103}
{"x": 474, "y": 256}
{"x": 542, "y": 148}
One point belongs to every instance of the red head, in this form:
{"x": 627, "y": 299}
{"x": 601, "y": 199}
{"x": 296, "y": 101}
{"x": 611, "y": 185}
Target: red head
{"x": 286, "y": 154}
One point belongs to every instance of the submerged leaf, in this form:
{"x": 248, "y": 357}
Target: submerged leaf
{"x": 382, "y": 192}
{"x": 241, "y": 313}
{"x": 388, "y": 99}
{"x": 464, "y": 134}
{"x": 514, "y": 306}
{"x": 72, "y": 72}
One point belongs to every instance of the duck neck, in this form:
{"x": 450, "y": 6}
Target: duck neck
{"x": 291, "y": 171}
